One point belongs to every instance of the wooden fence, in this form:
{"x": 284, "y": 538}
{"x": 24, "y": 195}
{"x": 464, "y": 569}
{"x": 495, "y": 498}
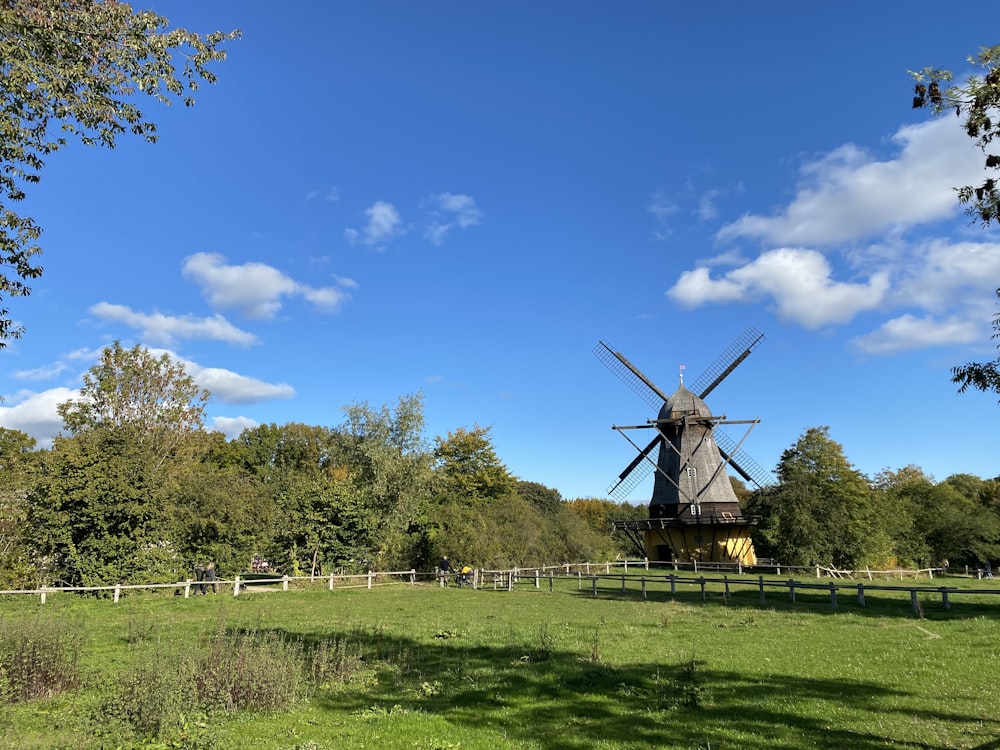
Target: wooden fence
{"x": 639, "y": 574}
{"x": 505, "y": 580}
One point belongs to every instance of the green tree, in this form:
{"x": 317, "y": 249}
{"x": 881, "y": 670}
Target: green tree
{"x": 822, "y": 511}
{"x": 152, "y": 399}
{"x": 18, "y": 461}
{"x": 98, "y": 512}
{"x": 469, "y": 465}
{"x": 389, "y": 465}
{"x": 100, "y": 508}
{"x": 976, "y": 103}
{"x": 73, "y": 68}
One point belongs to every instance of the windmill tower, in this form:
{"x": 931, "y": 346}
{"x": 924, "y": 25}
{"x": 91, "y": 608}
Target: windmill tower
{"x": 694, "y": 514}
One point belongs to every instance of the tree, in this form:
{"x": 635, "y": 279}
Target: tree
{"x": 977, "y": 101}
{"x": 822, "y": 512}
{"x": 984, "y": 376}
{"x": 73, "y": 68}
{"x": 468, "y": 462}
{"x": 153, "y": 399}
{"x": 390, "y": 467}
{"x": 18, "y": 459}
{"x": 98, "y": 512}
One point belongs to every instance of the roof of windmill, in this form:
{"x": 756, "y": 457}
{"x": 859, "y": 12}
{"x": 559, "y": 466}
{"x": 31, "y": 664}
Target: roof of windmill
{"x": 682, "y": 402}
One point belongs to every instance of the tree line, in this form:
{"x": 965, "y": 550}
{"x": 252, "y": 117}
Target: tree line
{"x": 136, "y": 490}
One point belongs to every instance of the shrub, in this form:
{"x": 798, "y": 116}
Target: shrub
{"x": 38, "y": 658}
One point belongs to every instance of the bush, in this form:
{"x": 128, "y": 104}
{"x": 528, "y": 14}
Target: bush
{"x": 38, "y": 658}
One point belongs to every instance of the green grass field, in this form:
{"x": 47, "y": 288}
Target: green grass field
{"x": 425, "y": 667}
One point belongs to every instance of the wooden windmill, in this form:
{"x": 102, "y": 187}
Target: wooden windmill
{"x": 694, "y": 514}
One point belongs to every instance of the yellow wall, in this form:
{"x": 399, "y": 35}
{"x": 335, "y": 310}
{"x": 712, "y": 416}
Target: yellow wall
{"x": 728, "y": 544}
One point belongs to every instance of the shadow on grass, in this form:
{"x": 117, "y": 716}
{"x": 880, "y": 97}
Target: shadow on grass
{"x": 561, "y": 700}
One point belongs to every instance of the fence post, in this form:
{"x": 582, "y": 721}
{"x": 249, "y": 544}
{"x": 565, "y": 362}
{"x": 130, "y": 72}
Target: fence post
{"x": 644, "y": 587}
{"x": 623, "y": 583}
{"x": 791, "y": 589}
{"x": 510, "y": 582}
{"x": 702, "y": 580}
{"x": 725, "y": 580}
{"x": 913, "y": 602}
{"x": 760, "y": 581}
{"x": 369, "y": 579}
{"x": 236, "y": 586}
{"x": 695, "y": 565}
{"x": 550, "y": 582}
{"x": 739, "y": 567}
{"x": 413, "y": 576}
{"x": 284, "y": 583}
{"x": 833, "y": 594}
{"x": 626, "y": 565}
{"x": 42, "y": 590}
{"x": 673, "y": 584}
{"x": 607, "y": 568}
{"x": 944, "y": 598}
{"x": 861, "y": 594}
{"x": 817, "y": 571}
{"x": 331, "y": 582}
{"x": 579, "y": 579}
{"x": 118, "y": 592}
{"x": 187, "y": 588}
{"x": 536, "y": 579}
{"x": 595, "y": 585}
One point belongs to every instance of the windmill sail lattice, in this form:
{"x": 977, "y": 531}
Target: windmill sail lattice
{"x": 694, "y": 512}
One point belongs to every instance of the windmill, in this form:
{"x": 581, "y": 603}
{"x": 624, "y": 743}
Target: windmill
{"x": 694, "y": 514}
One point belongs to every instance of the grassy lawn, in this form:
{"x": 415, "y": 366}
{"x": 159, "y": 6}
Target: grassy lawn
{"x": 425, "y": 667}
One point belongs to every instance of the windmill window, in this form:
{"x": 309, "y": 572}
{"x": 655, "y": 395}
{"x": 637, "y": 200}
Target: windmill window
{"x": 692, "y": 471}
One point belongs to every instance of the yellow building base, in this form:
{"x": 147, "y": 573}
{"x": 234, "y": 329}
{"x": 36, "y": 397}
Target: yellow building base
{"x": 701, "y": 543}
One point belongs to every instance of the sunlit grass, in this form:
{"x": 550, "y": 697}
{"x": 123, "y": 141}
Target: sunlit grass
{"x": 425, "y": 667}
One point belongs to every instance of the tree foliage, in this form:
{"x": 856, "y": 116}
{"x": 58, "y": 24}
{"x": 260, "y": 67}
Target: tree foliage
{"x": 822, "y": 511}
{"x": 73, "y": 69}
{"x": 977, "y": 103}
{"x": 150, "y": 398}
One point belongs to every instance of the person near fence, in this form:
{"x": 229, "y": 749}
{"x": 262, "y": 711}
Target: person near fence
{"x": 445, "y": 567}
{"x": 210, "y": 575}
{"x": 988, "y": 570}
{"x": 199, "y": 576}
{"x": 465, "y": 576}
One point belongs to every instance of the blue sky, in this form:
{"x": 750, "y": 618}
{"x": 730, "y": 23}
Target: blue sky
{"x": 460, "y": 199}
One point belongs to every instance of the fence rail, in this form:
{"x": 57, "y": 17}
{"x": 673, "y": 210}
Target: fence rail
{"x": 640, "y": 574}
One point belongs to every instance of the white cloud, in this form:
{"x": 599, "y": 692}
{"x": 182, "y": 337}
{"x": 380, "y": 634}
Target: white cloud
{"x": 256, "y": 289}
{"x": 910, "y": 332}
{"x": 167, "y": 329}
{"x": 35, "y": 413}
{"x": 450, "y": 211}
{"x": 232, "y": 388}
{"x": 848, "y": 194}
{"x": 41, "y": 373}
{"x": 384, "y": 224}
{"x": 939, "y": 274}
{"x": 232, "y": 427}
{"x": 707, "y": 210}
{"x": 799, "y": 281}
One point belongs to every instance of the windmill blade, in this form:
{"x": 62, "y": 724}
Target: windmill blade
{"x": 623, "y": 487}
{"x": 627, "y": 480}
{"x": 630, "y": 375}
{"x": 728, "y": 361}
{"x": 742, "y": 463}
